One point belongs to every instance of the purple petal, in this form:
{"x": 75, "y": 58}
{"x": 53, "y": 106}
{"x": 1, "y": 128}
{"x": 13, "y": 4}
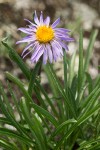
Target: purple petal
{"x": 36, "y": 51}
{"x": 32, "y": 28}
{"x": 45, "y": 56}
{"x": 61, "y": 35}
{"x": 33, "y": 46}
{"x": 49, "y": 51}
{"x": 47, "y": 21}
{"x": 25, "y": 30}
{"x": 36, "y": 19}
{"x": 34, "y": 25}
{"x": 64, "y": 45}
{"x": 54, "y": 55}
{"x": 26, "y": 48}
{"x": 26, "y": 54}
{"x": 61, "y": 30}
{"x": 58, "y": 46}
{"x": 27, "y": 39}
{"x": 67, "y": 39}
{"x": 38, "y": 55}
{"x": 55, "y": 23}
{"x": 55, "y": 51}
{"x": 41, "y": 18}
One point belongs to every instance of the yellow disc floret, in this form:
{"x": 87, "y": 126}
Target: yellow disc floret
{"x": 44, "y": 34}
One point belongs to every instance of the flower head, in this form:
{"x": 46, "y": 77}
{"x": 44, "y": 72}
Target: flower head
{"x": 45, "y": 39}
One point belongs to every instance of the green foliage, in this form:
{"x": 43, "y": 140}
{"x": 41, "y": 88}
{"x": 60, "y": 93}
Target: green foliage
{"x": 71, "y": 117}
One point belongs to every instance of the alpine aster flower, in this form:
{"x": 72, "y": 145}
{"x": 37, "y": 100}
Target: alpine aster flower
{"x": 45, "y": 39}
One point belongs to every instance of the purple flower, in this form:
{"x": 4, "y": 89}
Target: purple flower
{"x": 44, "y": 39}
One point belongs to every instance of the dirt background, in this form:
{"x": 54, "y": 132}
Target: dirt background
{"x": 74, "y": 14}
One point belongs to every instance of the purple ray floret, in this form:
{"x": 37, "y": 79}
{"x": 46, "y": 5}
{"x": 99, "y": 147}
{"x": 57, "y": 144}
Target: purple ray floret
{"x": 44, "y": 39}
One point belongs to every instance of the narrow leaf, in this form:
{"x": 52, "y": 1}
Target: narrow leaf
{"x": 16, "y": 58}
{"x": 33, "y": 75}
{"x": 81, "y": 120}
{"x": 62, "y": 127}
{"x": 80, "y": 68}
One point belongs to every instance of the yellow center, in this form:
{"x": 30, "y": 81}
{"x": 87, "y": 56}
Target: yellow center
{"x": 44, "y": 34}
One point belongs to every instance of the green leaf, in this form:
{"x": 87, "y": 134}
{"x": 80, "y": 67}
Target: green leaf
{"x": 7, "y": 145}
{"x": 62, "y": 127}
{"x": 81, "y": 120}
{"x": 39, "y": 97}
{"x": 89, "y": 49}
{"x": 61, "y": 91}
{"x": 13, "y": 134}
{"x": 5, "y": 121}
{"x": 65, "y": 65}
{"x": 48, "y": 100}
{"x": 74, "y": 85}
{"x": 97, "y": 80}
{"x": 20, "y": 85}
{"x": 87, "y": 60}
{"x": 29, "y": 99}
{"x": 91, "y": 97}
{"x": 89, "y": 52}
{"x": 33, "y": 76}
{"x": 65, "y": 72}
{"x": 89, "y": 143}
{"x": 91, "y": 102}
{"x": 14, "y": 98}
{"x": 51, "y": 81}
{"x": 80, "y": 68}
{"x": 11, "y": 119}
{"x": 72, "y": 100}
{"x": 71, "y": 69}
{"x": 46, "y": 114}
{"x": 16, "y": 58}
{"x": 34, "y": 126}
{"x": 6, "y": 101}
{"x": 90, "y": 81}
{"x": 96, "y": 147}
{"x": 50, "y": 73}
